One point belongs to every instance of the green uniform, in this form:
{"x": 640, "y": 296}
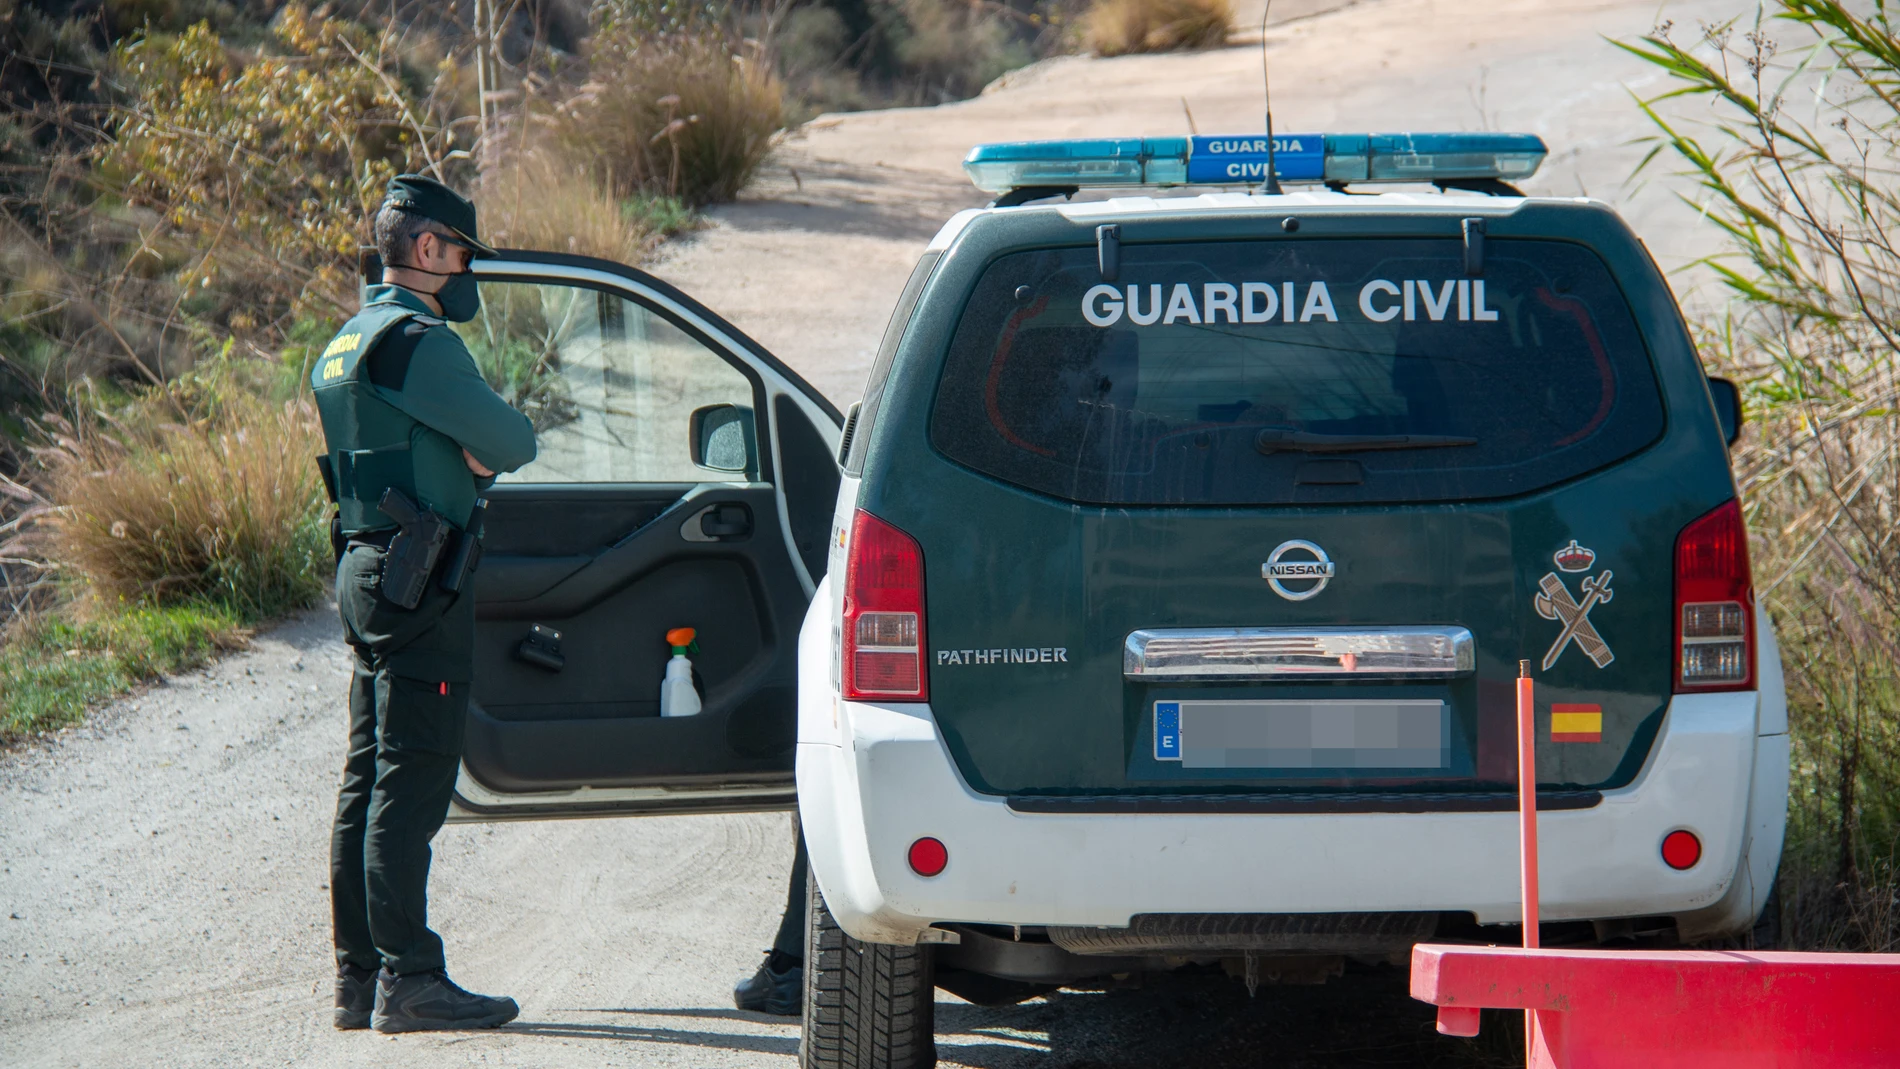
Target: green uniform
{"x": 400, "y": 399}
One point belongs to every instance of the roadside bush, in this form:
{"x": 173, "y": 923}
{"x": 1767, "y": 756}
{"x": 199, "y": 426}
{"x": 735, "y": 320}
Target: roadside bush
{"x": 674, "y": 115}
{"x": 1122, "y": 27}
{"x": 222, "y": 506}
{"x": 536, "y": 200}
{"x": 1812, "y": 210}
{"x": 842, "y": 55}
{"x": 272, "y": 167}
{"x": 953, "y": 51}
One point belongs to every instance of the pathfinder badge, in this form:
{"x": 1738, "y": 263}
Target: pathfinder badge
{"x": 1553, "y": 602}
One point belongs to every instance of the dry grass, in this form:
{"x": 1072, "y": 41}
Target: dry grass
{"x": 538, "y": 200}
{"x": 1821, "y": 477}
{"x": 677, "y": 116}
{"x": 225, "y": 509}
{"x": 1123, "y": 27}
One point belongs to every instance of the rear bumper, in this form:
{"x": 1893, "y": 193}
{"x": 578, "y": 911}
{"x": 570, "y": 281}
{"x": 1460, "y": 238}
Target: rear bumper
{"x": 873, "y": 778}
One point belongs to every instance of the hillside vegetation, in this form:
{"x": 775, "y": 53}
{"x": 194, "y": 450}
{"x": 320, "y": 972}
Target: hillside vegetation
{"x": 184, "y": 188}
{"x": 1797, "y": 163}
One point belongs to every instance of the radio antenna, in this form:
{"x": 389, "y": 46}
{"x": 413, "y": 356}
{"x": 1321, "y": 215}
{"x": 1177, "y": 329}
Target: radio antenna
{"x": 1266, "y": 94}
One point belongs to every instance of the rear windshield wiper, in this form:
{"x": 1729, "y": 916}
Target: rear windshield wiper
{"x": 1279, "y": 439}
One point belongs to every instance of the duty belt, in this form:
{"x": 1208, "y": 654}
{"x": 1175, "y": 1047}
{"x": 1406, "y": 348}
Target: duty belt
{"x": 377, "y": 539}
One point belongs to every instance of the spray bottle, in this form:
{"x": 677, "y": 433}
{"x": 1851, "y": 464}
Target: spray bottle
{"x": 677, "y": 696}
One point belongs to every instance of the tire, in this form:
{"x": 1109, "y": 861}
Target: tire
{"x": 867, "y": 1005}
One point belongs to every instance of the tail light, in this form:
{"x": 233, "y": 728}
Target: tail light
{"x": 1715, "y": 604}
{"x": 882, "y": 648}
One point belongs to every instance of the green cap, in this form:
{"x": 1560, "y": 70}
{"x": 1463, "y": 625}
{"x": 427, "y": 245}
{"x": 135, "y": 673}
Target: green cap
{"x": 432, "y": 200}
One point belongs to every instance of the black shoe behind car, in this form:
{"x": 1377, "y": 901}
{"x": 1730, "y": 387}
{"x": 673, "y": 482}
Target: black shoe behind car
{"x": 355, "y": 996}
{"x": 778, "y": 988}
{"x": 431, "y": 1002}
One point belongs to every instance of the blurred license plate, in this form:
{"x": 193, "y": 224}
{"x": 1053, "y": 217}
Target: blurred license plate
{"x": 1393, "y": 734}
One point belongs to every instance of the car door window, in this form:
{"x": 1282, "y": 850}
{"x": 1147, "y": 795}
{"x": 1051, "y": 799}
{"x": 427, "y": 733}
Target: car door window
{"x": 610, "y": 384}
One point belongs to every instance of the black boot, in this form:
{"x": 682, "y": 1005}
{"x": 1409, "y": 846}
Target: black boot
{"x": 430, "y": 1002}
{"x": 778, "y": 988}
{"x": 355, "y": 996}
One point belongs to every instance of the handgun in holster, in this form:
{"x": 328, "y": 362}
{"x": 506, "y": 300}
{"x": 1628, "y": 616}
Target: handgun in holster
{"x": 327, "y": 469}
{"x": 414, "y": 550}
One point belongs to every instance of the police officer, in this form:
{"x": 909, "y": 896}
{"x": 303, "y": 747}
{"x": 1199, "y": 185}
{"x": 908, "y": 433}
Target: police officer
{"x": 413, "y": 433}
{"x": 778, "y": 987}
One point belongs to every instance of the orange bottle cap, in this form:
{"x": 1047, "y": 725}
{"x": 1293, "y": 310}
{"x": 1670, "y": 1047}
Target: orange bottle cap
{"x": 680, "y": 636}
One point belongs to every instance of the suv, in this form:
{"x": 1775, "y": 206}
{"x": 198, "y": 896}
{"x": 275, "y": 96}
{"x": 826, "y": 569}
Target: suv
{"x": 1185, "y": 557}
{"x": 1162, "y": 599}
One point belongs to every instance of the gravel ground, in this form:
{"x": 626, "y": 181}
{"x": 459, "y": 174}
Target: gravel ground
{"x": 163, "y": 897}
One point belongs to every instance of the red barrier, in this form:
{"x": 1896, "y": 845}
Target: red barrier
{"x": 1689, "y": 1009}
{"x": 1681, "y": 1009}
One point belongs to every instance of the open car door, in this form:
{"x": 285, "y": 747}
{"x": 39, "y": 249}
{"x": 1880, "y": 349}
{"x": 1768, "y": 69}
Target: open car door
{"x": 685, "y": 479}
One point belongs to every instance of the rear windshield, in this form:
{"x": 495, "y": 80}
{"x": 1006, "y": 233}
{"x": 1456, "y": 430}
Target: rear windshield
{"x": 1264, "y": 372}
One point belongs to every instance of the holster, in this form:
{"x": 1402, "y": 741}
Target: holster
{"x": 327, "y": 469}
{"x": 413, "y": 552}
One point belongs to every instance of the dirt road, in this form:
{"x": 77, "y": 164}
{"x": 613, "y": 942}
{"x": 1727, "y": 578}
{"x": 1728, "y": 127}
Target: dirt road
{"x": 162, "y": 870}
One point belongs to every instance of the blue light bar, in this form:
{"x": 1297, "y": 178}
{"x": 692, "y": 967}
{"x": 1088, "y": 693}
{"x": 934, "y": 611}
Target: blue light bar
{"x": 1242, "y": 160}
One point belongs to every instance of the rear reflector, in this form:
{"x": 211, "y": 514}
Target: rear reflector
{"x": 928, "y": 857}
{"x": 1681, "y": 849}
{"x": 1715, "y": 604}
{"x": 882, "y": 647}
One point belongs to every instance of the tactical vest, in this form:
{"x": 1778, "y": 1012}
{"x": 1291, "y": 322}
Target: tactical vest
{"x": 371, "y": 443}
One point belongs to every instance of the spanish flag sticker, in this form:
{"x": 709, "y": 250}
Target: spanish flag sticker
{"x": 1576, "y": 723}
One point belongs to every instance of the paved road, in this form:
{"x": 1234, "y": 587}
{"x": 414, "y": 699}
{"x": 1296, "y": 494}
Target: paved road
{"x": 162, "y": 874}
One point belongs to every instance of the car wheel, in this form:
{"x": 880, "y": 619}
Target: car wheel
{"x": 867, "y": 1005}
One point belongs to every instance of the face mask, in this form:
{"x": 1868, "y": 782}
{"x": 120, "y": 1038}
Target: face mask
{"x": 460, "y": 298}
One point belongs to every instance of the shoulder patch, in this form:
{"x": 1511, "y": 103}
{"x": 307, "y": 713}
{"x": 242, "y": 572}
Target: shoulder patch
{"x": 331, "y": 364}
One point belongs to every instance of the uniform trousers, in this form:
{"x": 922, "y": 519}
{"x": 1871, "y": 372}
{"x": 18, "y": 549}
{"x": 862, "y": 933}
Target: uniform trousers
{"x": 790, "y": 940}
{"x": 408, "y": 707}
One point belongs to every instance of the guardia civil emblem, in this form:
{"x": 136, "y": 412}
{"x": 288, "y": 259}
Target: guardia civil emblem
{"x": 1554, "y": 601}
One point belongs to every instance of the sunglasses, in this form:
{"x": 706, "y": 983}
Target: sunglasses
{"x": 446, "y": 239}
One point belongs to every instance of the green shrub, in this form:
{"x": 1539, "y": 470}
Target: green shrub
{"x": 1122, "y": 27}
{"x": 271, "y": 164}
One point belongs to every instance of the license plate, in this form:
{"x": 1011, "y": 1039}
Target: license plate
{"x": 1407, "y": 733}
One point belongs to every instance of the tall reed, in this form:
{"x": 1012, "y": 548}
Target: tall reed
{"x": 1797, "y": 160}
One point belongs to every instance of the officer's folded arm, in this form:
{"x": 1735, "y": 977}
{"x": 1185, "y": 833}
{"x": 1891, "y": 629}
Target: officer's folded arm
{"x": 445, "y": 391}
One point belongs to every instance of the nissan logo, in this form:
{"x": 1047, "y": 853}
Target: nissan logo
{"x": 1319, "y": 570}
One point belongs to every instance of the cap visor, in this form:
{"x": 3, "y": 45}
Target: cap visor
{"x": 475, "y": 246}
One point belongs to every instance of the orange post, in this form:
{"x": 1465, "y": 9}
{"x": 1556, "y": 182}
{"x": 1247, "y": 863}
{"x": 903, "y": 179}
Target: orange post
{"x": 1527, "y": 799}
{"x": 1527, "y": 830}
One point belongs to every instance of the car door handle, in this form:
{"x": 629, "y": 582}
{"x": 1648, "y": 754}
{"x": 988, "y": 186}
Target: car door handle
{"x": 714, "y": 523}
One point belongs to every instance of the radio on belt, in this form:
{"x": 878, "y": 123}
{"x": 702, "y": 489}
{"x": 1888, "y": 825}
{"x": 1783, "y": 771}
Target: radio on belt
{"x": 1241, "y": 159}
